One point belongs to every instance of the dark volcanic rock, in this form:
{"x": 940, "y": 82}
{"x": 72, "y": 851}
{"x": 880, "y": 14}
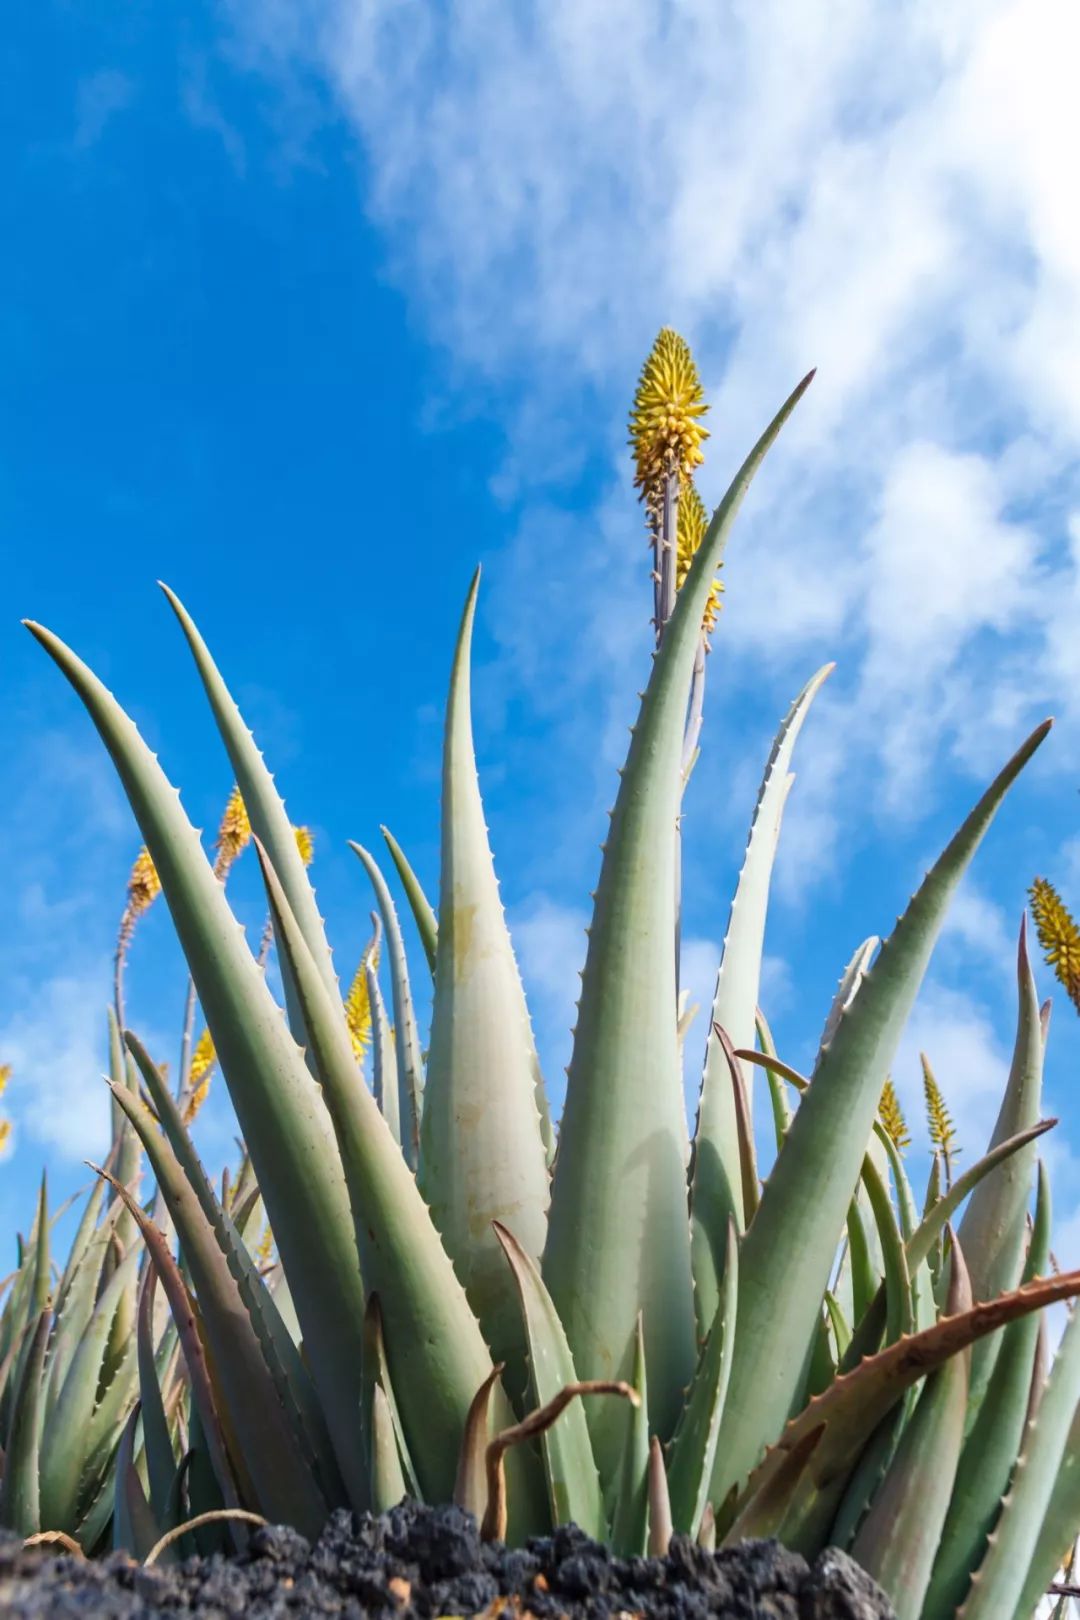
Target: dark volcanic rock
{"x": 420, "y": 1563}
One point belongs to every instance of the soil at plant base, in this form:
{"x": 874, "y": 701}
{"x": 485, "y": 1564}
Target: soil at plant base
{"x": 428, "y": 1562}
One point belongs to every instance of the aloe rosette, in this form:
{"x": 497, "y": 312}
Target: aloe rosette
{"x": 459, "y": 1301}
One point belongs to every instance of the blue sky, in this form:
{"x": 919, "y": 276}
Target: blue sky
{"x": 309, "y": 306}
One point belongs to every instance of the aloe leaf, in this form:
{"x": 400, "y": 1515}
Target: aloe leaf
{"x": 1058, "y": 1527}
{"x": 76, "y": 1307}
{"x": 630, "y": 1520}
{"x": 900, "y": 1315}
{"x": 471, "y": 1483}
{"x": 409, "y": 1063}
{"x": 278, "y": 1104}
{"x": 482, "y": 1152}
{"x": 788, "y": 1251}
{"x": 291, "y": 1379}
{"x": 157, "y": 1440}
{"x": 933, "y": 1223}
{"x": 377, "y": 1371}
{"x": 135, "y": 1527}
{"x": 437, "y": 1354}
{"x": 778, "y": 1097}
{"x": 991, "y": 1448}
{"x": 1004, "y": 1583}
{"x": 717, "y": 1189}
{"x": 266, "y": 811}
{"x": 64, "y": 1440}
{"x": 993, "y": 1230}
{"x": 574, "y": 1486}
{"x": 762, "y": 1513}
{"x": 274, "y": 1458}
{"x": 384, "y": 1069}
{"x": 839, "y": 1323}
{"x": 204, "y": 1415}
{"x": 423, "y": 915}
{"x": 41, "y": 1285}
{"x": 865, "y": 1278}
{"x": 898, "y": 1539}
{"x": 80, "y": 1243}
{"x": 848, "y": 988}
{"x": 921, "y": 1283}
{"x": 387, "y": 1478}
{"x": 618, "y": 1239}
{"x": 853, "y": 1407}
{"x": 20, "y": 1508}
{"x": 693, "y": 1451}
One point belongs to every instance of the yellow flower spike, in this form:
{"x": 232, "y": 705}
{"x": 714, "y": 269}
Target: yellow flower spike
{"x": 143, "y": 888}
{"x": 5, "y": 1124}
{"x": 234, "y": 834}
{"x": 144, "y": 885}
{"x": 938, "y": 1119}
{"x": 693, "y": 521}
{"x": 892, "y": 1118}
{"x": 666, "y": 431}
{"x": 358, "y": 1007}
{"x": 305, "y": 843}
{"x": 202, "y": 1070}
{"x": 1058, "y": 936}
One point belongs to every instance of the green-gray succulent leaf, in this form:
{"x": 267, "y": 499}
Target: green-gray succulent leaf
{"x": 693, "y": 1450}
{"x": 630, "y": 1519}
{"x": 788, "y": 1251}
{"x": 387, "y": 1486}
{"x": 717, "y": 1182}
{"x": 994, "y": 1226}
{"x": 265, "y": 808}
{"x": 618, "y": 1240}
{"x": 423, "y": 915}
{"x": 20, "y": 1503}
{"x": 271, "y": 1453}
{"x": 407, "y": 1042}
{"x": 384, "y": 1068}
{"x": 993, "y": 1444}
{"x": 853, "y": 1407}
{"x": 278, "y": 1103}
{"x": 575, "y": 1489}
{"x": 898, "y": 1539}
{"x": 286, "y": 1367}
{"x": 435, "y": 1349}
{"x": 1016, "y": 1555}
{"x": 483, "y": 1156}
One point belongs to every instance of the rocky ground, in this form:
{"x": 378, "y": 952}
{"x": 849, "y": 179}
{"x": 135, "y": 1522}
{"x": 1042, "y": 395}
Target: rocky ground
{"x": 426, "y": 1563}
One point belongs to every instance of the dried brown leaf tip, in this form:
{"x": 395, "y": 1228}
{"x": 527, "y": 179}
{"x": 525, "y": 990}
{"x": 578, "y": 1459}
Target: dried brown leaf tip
{"x": 1058, "y": 936}
{"x": 892, "y": 1117}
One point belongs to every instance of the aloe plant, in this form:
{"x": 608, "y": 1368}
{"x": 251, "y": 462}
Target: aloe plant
{"x": 608, "y": 1324}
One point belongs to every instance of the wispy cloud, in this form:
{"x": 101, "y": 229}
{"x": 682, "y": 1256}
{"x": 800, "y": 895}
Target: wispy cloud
{"x": 886, "y": 191}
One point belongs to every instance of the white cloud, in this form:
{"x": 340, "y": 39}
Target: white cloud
{"x": 887, "y": 191}
{"x": 55, "y": 1043}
